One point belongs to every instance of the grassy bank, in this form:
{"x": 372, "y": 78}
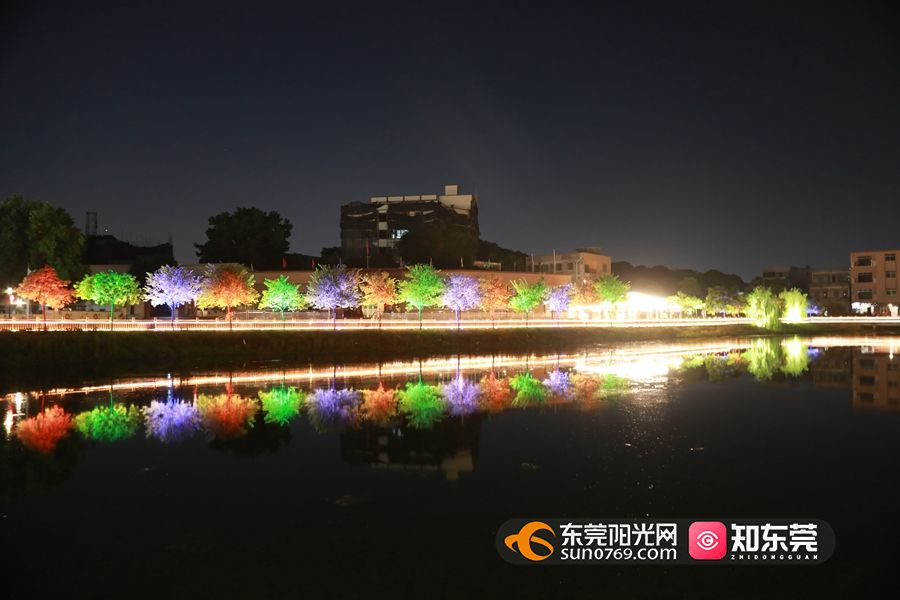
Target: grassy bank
{"x": 44, "y": 357}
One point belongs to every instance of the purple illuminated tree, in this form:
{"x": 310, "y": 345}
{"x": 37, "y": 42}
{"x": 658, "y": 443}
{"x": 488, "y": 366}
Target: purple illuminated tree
{"x": 332, "y": 409}
{"x": 558, "y": 300}
{"x": 172, "y": 420}
{"x": 461, "y": 293}
{"x": 331, "y": 288}
{"x": 172, "y": 287}
{"x": 557, "y": 382}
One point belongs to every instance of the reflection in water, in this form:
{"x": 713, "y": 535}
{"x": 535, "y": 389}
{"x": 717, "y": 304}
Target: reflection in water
{"x": 557, "y": 382}
{"x": 43, "y": 432}
{"x": 227, "y": 416}
{"x": 528, "y": 390}
{"x": 421, "y": 403}
{"x": 404, "y": 418}
{"x": 461, "y": 395}
{"x": 379, "y": 405}
{"x": 109, "y": 423}
{"x": 876, "y": 379}
{"x": 331, "y": 409}
{"x": 172, "y": 420}
{"x": 281, "y": 404}
{"x": 495, "y": 392}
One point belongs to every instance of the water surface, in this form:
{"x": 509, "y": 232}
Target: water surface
{"x": 393, "y": 478}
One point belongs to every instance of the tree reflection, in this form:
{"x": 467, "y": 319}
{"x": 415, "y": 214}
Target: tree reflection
{"x": 225, "y": 415}
{"x": 763, "y": 358}
{"x": 495, "y": 392}
{"x": 331, "y": 409}
{"x": 109, "y": 423}
{"x": 281, "y": 404}
{"x": 43, "y": 431}
{"x": 172, "y": 420}
{"x": 528, "y": 390}
{"x": 380, "y": 404}
{"x": 796, "y": 357}
{"x": 421, "y": 403}
{"x": 461, "y": 395}
{"x": 558, "y": 384}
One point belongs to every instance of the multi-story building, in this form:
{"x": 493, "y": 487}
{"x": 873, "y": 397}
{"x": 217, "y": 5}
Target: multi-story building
{"x": 581, "y": 265}
{"x": 873, "y": 282}
{"x": 783, "y": 277}
{"x": 830, "y": 290}
{"x": 370, "y": 230}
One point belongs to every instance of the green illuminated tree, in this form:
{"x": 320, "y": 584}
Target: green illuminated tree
{"x": 528, "y": 390}
{"x": 421, "y": 403}
{"x": 763, "y": 308}
{"x": 109, "y": 288}
{"x": 528, "y": 296}
{"x": 422, "y": 287}
{"x": 794, "y": 304}
{"x": 689, "y": 304}
{"x": 281, "y": 295}
{"x": 281, "y": 403}
{"x": 611, "y": 289}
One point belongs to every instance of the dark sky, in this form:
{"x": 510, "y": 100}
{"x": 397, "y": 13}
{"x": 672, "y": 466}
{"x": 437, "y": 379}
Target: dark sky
{"x": 717, "y": 135}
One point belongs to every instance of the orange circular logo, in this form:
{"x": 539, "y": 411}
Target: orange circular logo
{"x": 521, "y": 542}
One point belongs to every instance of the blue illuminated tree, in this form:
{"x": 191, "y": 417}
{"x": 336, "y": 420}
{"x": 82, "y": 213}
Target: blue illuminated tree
{"x": 172, "y": 287}
{"x": 558, "y": 300}
{"x": 461, "y": 293}
{"x": 331, "y": 288}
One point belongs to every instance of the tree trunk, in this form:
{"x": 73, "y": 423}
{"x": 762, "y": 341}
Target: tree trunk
{"x": 44, "y": 311}
{"x": 457, "y": 320}
{"x": 112, "y": 308}
{"x": 172, "y": 311}
{"x": 420, "y": 318}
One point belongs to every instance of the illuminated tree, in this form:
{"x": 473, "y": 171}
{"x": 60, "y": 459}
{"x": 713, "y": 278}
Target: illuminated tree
{"x": 558, "y": 300}
{"x": 583, "y": 294}
{"x": 495, "y": 295}
{"x": 421, "y": 404}
{"x": 172, "y": 420}
{"x": 794, "y": 302}
{"x": 611, "y": 290}
{"x": 46, "y": 288}
{"x": 330, "y": 288}
{"x": 461, "y": 292}
{"x": 613, "y": 387}
{"x": 528, "y": 296}
{"x": 461, "y": 395}
{"x": 380, "y": 404}
{"x": 422, "y": 287}
{"x": 717, "y": 299}
{"x": 378, "y": 289}
{"x": 332, "y": 409}
{"x": 281, "y": 295}
{"x": 528, "y": 390}
{"x": 110, "y": 288}
{"x": 225, "y": 415}
{"x": 43, "y": 431}
{"x": 172, "y": 287}
{"x": 585, "y": 387}
{"x": 109, "y": 423}
{"x": 281, "y": 404}
{"x": 763, "y": 308}
{"x": 227, "y": 286}
{"x": 688, "y": 304}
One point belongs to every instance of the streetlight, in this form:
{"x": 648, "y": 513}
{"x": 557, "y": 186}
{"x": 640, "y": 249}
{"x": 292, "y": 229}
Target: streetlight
{"x": 12, "y": 298}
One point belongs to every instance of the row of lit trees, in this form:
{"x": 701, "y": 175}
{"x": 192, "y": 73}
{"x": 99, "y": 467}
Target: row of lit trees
{"x": 227, "y": 286}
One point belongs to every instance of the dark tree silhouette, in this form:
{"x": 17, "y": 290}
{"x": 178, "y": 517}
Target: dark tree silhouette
{"x": 247, "y": 236}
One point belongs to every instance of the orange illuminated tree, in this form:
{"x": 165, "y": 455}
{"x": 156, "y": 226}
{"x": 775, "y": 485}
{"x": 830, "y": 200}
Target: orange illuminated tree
{"x": 495, "y": 295}
{"x": 46, "y": 288}
{"x": 378, "y": 289}
{"x": 43, "y": 432}
{"x": 227, "y": 286}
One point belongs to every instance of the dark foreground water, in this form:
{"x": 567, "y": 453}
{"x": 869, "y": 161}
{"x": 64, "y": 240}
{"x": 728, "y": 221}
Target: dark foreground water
{"x": 331, "y": 483}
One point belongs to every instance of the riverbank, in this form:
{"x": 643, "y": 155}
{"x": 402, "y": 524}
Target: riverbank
{"x": 57, "y": 358}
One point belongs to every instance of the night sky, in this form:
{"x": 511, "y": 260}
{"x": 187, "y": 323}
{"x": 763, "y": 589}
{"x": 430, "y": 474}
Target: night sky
{"x": 690, "y": 135}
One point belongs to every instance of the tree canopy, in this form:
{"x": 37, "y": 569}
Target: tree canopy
{"x": 33, "y": 234}
{"x": 439, "y": 244}
{"x": 109, "y": 288}
{"x": 248, "y": 236}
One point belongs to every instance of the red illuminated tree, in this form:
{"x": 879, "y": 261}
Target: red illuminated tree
{"x": 43, "y": 432}
{"x": 495, "y": 295}
{"x": 227, "y": 286}
{"x": 46, "y": 288}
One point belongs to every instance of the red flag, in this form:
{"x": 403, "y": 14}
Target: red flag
{"x": 283, "y": 262}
